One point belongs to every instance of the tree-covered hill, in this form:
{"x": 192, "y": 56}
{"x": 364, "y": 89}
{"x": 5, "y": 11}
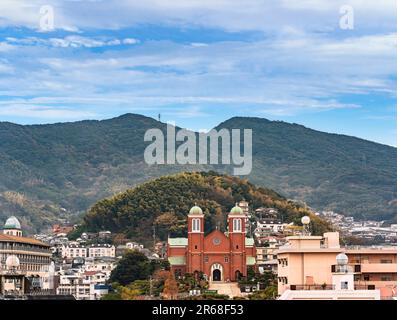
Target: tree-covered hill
{"x": 57, "y": 171}
{"x": 165, "y": 202}
{"x": 328, "y": 171}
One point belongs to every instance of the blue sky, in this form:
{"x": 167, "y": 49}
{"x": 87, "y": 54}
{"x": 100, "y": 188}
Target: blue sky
{"x": 201, "y": 62}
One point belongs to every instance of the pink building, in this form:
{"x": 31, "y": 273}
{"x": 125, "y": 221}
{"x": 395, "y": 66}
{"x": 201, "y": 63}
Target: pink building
{"x": 308, "y": 262}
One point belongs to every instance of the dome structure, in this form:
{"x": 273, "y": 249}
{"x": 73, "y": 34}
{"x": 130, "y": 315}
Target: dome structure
{"x": 342, "y": 259}
{"x": 196, "y": 210}
{"x": 12, "y": 223}
{"x": 236, "y": 210}
{"x": 12, "y": 262}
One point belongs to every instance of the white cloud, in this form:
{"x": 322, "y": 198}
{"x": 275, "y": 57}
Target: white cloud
{"x": 43, "y": 112}
{"x": 263, "y": 15}
{"x": 290, "y": 70}
{"x": 130, "y": 41}
{"x": 72, "y": 41}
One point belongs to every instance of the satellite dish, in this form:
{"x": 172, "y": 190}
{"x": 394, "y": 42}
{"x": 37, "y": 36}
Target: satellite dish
{"x": 305, "y": 220}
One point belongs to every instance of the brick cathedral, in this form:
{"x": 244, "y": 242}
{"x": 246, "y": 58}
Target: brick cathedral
{"x": 220, "y": 256}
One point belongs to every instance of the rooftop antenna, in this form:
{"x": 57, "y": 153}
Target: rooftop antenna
{"x": 159, "y": 117}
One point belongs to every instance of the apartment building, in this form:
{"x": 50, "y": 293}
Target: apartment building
{"x": 309, "y": 262}
{"x": 101, "y": 250}
{"x": 72, "y": 251}
{"x": 266, "y": 256}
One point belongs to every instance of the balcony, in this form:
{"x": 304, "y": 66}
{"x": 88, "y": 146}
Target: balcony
{"x": 364, "y": 287}
{"x": 354, "y": 268}
{"x": 379, "y": 268}
{"x": 312, "y": 287}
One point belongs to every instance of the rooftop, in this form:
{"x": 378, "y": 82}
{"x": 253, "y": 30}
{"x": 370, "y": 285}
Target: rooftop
{"x": 178, "y": 242}
{"x": 177, "y": 260}
{"x": 5, "y": 238}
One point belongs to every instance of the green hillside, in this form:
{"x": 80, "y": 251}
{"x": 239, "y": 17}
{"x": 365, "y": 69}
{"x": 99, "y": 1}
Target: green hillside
{"x": 166, "y": 201}
{"x": 57, "y": 171}
{"x": 328, "y": 171}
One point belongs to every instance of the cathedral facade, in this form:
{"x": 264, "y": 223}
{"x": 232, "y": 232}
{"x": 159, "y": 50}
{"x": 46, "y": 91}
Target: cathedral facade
{"x": 220, "y": 256}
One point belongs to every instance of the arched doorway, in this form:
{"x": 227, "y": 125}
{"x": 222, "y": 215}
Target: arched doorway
{"x": 216, "y": 272}
{"x": 238, "y": 275}
{"x": 216, "y": 275}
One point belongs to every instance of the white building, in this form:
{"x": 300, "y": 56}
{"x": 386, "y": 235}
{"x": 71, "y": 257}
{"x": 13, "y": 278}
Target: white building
{"x": 84, "y": 284}
{"x": 134, "y": 246}
{"x": 269, "y": 226}
{"x": 32, "y": 257}
{"x": 101, "y": 250}
{"x": 71, "y": 251}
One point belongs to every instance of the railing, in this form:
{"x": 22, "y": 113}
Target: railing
{"x": 383, "y": 248}
{"x": 312, "y": 287}
{"x": 41, "y": 292}
{"x": 364, "y": 287}
{"x": 356, "y": 268}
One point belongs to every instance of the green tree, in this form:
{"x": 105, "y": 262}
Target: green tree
{"x": 270, "y": 293}
{"x": 133, "y": 266}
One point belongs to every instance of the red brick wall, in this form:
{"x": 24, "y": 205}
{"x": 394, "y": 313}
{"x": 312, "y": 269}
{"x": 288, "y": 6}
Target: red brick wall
{"x": 202, "y": 252}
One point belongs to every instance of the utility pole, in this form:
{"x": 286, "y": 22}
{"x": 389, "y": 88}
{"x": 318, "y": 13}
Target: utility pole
{"x": 151, "y": 286}
{"x": 154, "y": 237}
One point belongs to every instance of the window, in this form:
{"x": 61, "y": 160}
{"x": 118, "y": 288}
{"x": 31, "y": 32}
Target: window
{"x": 206, "y": 259}
{"x": 344, "y": 285}
{"x": 196, "y": 225}
{"x": 386, "y": 278}
{"x": 366, "y": 277}
{"x": 195, "y": 247}
{"x": 386, "y": 261}
{"x": 226, "y": 259}
{"x": 237, "y": 225}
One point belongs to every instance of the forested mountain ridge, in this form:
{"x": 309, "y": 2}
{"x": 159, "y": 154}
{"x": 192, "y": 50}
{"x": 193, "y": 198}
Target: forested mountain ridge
{"x": 50, "y": 172}
{"x": 165, "y": 202}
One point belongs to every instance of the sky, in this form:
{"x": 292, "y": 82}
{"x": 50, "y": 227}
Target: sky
{"x": 327, "y": 64}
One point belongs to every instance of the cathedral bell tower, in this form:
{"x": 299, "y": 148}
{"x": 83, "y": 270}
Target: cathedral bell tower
{"x": 195, "y": 250}
{"x": 236, "y": 224}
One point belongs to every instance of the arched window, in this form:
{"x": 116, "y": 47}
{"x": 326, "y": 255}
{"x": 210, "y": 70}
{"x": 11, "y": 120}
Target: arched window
{"x": 196, "y": 225}
{"x": 236, "y": 225}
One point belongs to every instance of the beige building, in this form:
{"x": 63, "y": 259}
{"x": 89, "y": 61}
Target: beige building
{"x": 102, "y": 250}
{"x": 72, "y": 251}
{"x": 266, "y": 257}
{"x": 33, "y": 256}
{"x": 308, "y": 262}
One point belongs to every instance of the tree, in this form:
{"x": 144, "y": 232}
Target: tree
{"x": 128, "y": 293}
{"x": 270, "y": 293}
{"x": 119, "y": 239}
{"x": 170, "y": 291}
{"x": 133, "y": 266}
{"x": 166, "y": 223}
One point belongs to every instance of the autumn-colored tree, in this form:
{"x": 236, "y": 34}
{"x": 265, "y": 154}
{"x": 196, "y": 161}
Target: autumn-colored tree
{"x": 170, "y": 291}
{"x": 119, "y": 239}
{"x": 165, "y": 224}
{"x": 128, "y": 293}
{"x": 161, "y": 275}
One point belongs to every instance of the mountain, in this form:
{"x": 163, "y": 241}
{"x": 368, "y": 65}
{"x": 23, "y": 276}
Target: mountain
{"x": 57, "y": 171}
{"x": 166, "y": 201}
{"x": 328, "y": 171}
